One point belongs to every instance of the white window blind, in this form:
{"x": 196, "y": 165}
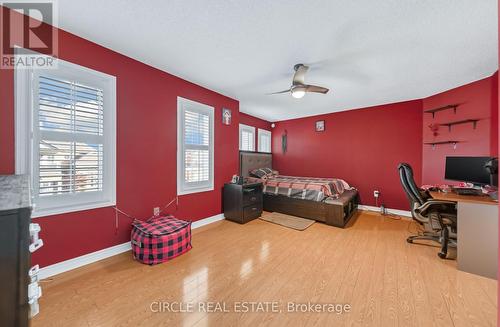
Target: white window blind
{"x": 65, "y": 137}
{"x": 70, "y": 160}
{"x": 264, "y": 138}
{"x": 195, "y": 137}
{"x": 247, "y": 138}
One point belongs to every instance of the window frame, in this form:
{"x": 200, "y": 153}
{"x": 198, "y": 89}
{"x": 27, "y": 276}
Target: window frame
{"x": 248, "y": 128}
{"x": 182, "y": 186}
{"x": 27, "y": 137}
{"x": 261, "y": 132}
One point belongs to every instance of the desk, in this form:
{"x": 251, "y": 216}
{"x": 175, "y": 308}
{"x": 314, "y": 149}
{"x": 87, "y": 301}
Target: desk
{"x": 477, "y": 233}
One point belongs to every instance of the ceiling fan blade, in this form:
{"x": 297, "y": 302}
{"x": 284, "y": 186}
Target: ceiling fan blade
{"x": 280, "y": 92}
{"x": 300, "y": 72}
{"x": 316, "y": 89}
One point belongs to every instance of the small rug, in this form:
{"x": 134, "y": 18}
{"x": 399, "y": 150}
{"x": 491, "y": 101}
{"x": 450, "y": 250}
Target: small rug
{"x": 287, "y": 220}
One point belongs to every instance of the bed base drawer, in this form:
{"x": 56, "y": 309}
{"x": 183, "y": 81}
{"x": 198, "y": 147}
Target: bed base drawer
{"x": 334, "y": 214}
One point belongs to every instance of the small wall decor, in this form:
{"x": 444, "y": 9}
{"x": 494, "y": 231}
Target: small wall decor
{"x": 320, "y": 126}
{"x": 284, "y": 141}
{"x": 435, "y": 129}
{"x": 226, "y": 116}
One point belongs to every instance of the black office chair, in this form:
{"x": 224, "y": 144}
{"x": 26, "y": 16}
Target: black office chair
{"x": 438, "y": 217}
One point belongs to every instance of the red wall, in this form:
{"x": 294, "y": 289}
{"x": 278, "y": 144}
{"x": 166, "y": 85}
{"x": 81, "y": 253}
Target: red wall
{"x": 362, "y": 146}
{"x": 255, "y": 122}
{"x": 146, "y": 150}
{"x": 494, "y": 116}
{"x": 477, "y": 101}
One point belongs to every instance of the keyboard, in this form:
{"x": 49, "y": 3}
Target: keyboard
{"x": 467, "y": 191}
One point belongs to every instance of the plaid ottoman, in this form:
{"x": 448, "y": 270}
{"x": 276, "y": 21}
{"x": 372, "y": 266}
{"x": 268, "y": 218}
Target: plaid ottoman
{"x": 160, "y": 239}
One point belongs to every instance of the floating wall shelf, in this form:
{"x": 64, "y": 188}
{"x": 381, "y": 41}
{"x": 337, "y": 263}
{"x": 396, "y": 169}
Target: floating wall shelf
{"x": 442, "y": 143}
{"x": 448, "y": 107}
{"x": 459, "y": 122}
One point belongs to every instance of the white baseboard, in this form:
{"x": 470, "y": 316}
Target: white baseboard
{"x": 402, "y": 213}
{"x": 206, "y": 221}
{"x": 83, "y": 260}
{"x": 86, "y": 259}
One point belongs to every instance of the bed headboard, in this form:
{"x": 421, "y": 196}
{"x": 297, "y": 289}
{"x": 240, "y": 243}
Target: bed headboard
{"x": 253, "y": 160}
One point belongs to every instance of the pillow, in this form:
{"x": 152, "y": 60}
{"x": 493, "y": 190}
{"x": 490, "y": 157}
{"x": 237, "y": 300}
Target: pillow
{"x": 259, "y": 173}
{"x": 267, "y": 170}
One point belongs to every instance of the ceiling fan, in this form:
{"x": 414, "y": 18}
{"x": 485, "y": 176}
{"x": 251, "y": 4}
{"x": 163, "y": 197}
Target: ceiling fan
{"x": 299, "y": 88}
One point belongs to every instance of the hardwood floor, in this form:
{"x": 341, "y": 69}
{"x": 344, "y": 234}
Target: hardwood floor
{"x": 386, "y": 281}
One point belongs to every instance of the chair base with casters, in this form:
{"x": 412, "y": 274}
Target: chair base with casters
{"x": 445, "y": 238}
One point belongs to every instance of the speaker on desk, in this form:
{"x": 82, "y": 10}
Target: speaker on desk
{"x": 492, "y": 167}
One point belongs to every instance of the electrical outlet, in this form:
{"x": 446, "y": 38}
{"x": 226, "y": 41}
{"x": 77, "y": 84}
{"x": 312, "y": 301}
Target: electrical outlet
{"x": 156, "y": 211}
{"x": 376, "y": 194}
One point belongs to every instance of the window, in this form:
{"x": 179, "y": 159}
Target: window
{"x": 264, "y": 140}
{"x": 195, "y": 148}
{"x": 65, "y": 137}
{"x": 247, "y": 138}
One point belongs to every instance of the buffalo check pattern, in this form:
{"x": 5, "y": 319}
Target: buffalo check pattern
{"x": 306, "y": 188}
{"x": 160, "y": 239}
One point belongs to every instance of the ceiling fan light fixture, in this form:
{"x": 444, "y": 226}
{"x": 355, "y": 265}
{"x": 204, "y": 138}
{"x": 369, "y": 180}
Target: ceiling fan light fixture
{"x": 298, "y": 93}
{"x": 299, "y": 88}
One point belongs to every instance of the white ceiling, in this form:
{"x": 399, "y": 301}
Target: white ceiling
{"x": 367, "y": 52}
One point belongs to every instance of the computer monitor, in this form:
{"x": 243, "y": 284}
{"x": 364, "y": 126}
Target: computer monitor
{"x": 467, "y": 169}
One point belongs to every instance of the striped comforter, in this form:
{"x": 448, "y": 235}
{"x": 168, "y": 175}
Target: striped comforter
{"x": 306, "y": 188}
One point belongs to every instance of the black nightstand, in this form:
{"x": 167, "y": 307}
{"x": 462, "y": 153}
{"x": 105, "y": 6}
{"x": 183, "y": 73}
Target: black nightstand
{"x": 242, "y": 203}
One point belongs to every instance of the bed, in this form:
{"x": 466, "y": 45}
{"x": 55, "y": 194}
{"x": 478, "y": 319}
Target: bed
{"x": 327, "y": 200}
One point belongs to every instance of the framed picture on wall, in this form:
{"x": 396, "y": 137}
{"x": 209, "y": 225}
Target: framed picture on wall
{"x": 226, "y": 116}
{"x": 320, "y": 126}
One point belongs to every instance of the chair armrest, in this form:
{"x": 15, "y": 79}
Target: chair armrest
{"x": 441, "y": 210}
{"x": 432, "y": 203}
